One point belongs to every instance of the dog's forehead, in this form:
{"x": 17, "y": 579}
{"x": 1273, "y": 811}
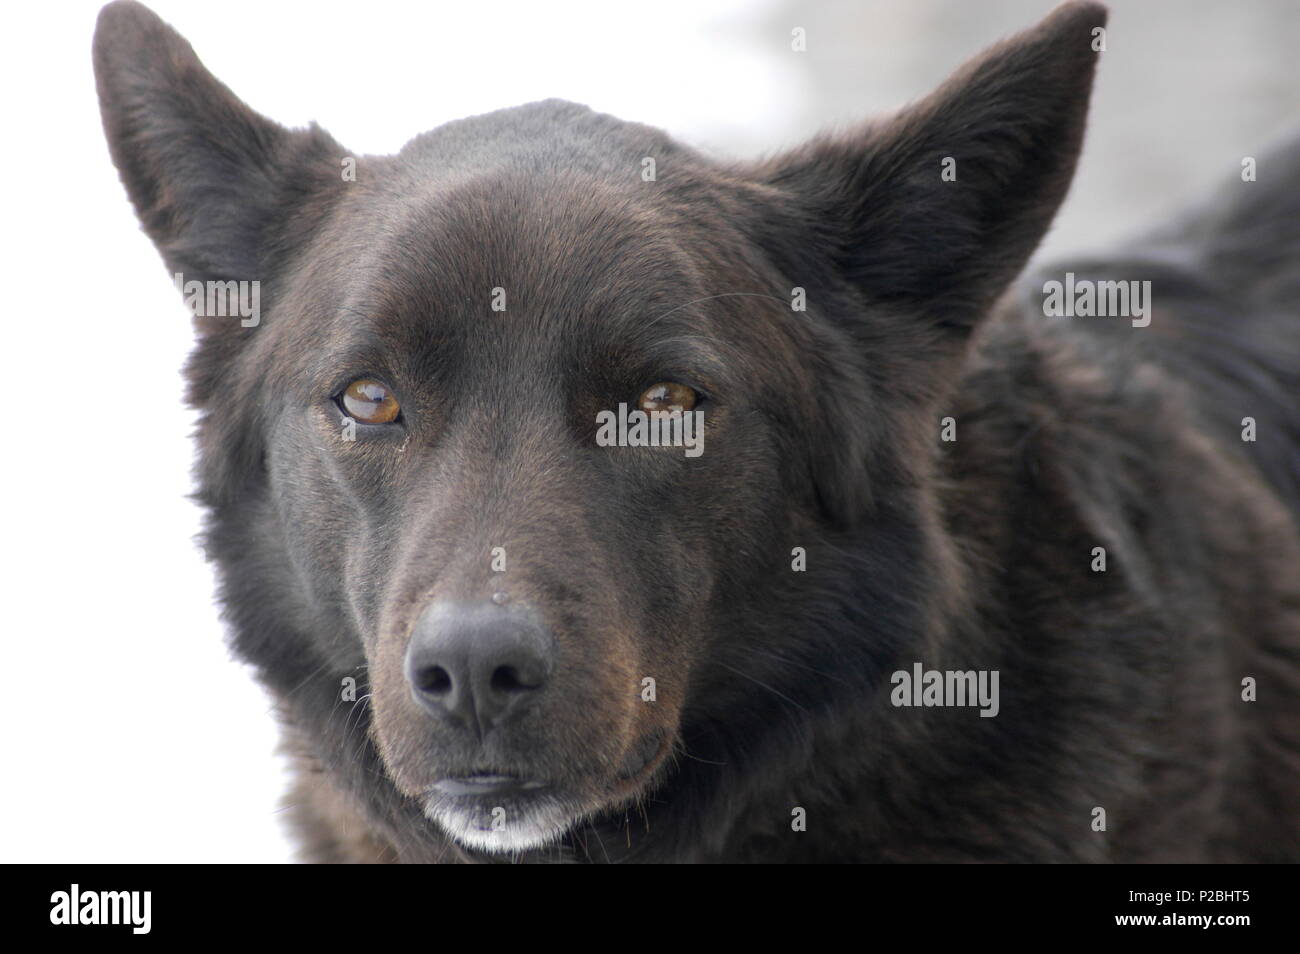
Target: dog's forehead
{"x": 562, "y": 250}
{"x": 543, "y": 239}
{"x": 530, "y": 236}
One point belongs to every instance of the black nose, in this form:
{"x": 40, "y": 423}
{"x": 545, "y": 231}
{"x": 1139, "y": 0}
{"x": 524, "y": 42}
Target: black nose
{"x": 477, "y": 664}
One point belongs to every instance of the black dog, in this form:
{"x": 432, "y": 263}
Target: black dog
{"x": 580, "y": 498}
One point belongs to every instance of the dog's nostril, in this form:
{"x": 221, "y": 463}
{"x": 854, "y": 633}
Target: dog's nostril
{"x": 434, "y": 679}
{"x": 507, "y": 679}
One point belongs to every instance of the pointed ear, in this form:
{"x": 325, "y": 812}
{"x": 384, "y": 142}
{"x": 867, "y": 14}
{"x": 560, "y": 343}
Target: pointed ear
{"x": 936, "y": 209}
{"x": 214, "y": 183}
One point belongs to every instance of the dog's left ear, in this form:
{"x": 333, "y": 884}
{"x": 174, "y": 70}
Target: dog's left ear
{"x": 936, "y": 209}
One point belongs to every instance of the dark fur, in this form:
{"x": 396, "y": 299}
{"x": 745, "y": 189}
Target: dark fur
{"x": 1119, "y": 689}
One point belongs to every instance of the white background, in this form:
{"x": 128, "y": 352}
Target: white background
{"x": 128, "y": 734}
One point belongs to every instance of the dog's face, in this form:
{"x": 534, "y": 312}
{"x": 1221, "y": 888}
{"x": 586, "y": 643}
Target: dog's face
{"x": 438, "y": 474}
{"x": 407, "y": 455}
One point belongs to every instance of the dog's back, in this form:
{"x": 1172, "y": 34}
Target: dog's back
{"x": 1225, "y": 290}
{"x": 1176, "y": 444}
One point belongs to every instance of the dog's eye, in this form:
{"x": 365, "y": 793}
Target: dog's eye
{"x": 370, "y": 402}
{"x": 667, "y": 397}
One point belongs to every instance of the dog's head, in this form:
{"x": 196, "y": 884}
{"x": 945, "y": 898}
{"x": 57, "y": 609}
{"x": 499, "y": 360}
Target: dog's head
{"x": 539, "y": 429}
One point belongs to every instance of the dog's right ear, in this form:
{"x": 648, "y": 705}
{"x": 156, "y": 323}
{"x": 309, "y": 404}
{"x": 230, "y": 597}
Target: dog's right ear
{"x": 927, "y": 216}
{"x": 216, "y": 185}
{"x": 933, "y": 211}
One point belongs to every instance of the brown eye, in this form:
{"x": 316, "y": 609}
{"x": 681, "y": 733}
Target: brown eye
{"x": 667, "y": 397}
{"x": 370, "y": 402}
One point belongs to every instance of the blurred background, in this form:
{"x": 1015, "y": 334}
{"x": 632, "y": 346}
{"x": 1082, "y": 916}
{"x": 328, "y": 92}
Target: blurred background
{"x": 128, "y": 734}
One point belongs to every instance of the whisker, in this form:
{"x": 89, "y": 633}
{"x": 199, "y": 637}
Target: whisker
{"x": 759, "y": 682}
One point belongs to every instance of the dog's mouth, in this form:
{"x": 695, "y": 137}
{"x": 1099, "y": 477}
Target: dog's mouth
{"x": 499, "y": 811}
{"x": 486, "y": 785}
